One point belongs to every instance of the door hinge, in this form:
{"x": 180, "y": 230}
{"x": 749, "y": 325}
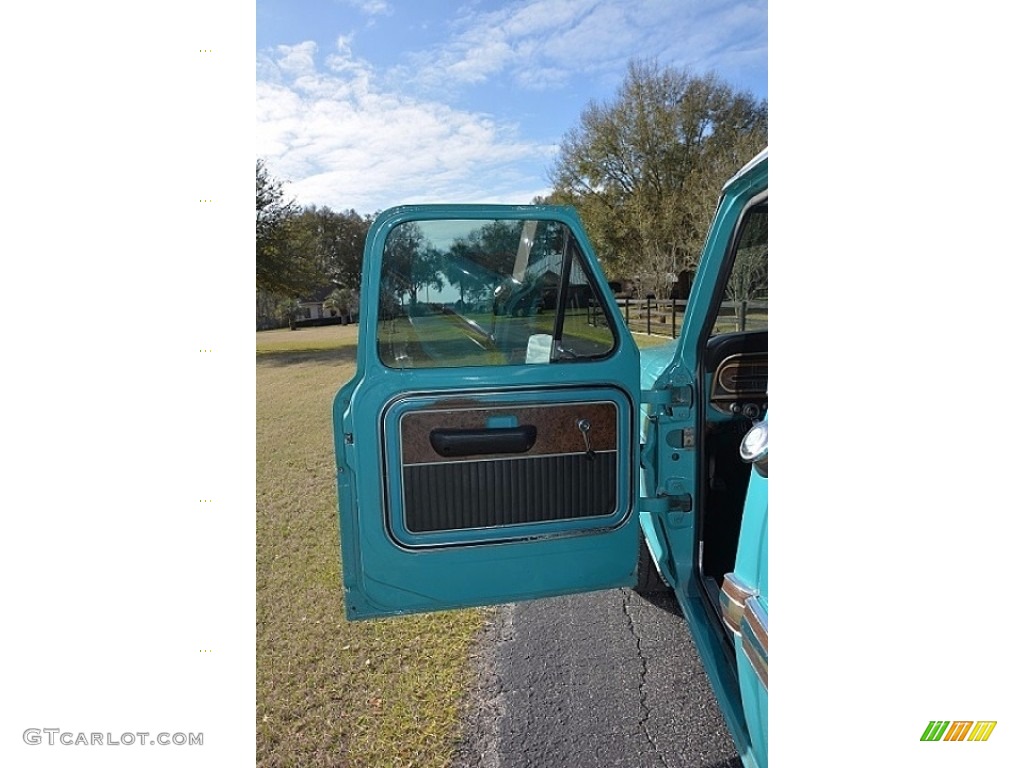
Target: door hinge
{"x": 666, "y": 504}
{"x": 682, "y": 394}
{"x": 669, "y": 396}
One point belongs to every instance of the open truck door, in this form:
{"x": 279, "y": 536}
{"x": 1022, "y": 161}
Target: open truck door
{"x": 487, "y": 447}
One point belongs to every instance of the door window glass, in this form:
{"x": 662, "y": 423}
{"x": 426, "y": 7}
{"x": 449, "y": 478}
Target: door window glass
{"x": 481, "y": 293}
{"x": 745, "y": 301}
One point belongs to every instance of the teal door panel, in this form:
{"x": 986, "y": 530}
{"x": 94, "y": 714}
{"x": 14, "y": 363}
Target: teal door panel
{"x": 486, "y": 448}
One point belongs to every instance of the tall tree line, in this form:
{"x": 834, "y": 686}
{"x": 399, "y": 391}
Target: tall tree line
{"x": 304, "y": 253}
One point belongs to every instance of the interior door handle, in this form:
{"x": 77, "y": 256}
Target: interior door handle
{"x": 470, "y": 442}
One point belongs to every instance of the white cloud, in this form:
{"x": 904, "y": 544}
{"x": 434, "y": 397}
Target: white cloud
{"x": 347, "y": 143}
{"x": 542, "y": 43}
{"x": 296, "y": 60}
{"x": 370, "y": 7}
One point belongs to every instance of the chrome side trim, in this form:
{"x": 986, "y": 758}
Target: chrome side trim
{"x": 754, "y": 627}
{"x": 731, "y": 598}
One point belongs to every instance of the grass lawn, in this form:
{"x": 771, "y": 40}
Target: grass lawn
{"x": 330, "y": 692}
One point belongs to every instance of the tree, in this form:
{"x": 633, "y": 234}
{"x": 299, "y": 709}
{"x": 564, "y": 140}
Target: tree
{"x": 332, "y": 243}
{"x": 274, "y": 310}
{"x": 303, "y": 252}
{"x": 344, "y": 301}
{"x": 645, "y": 170}
{"x": 410, "y": 264}
{"x": 280, "y": 267}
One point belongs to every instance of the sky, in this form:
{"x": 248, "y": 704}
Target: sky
{"x": 366, "y": 104}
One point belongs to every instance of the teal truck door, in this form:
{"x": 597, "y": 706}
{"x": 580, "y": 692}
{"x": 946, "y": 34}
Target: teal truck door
{"x": 486, "y": 448}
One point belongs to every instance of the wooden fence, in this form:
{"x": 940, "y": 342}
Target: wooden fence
{"x": 664, "y": 317}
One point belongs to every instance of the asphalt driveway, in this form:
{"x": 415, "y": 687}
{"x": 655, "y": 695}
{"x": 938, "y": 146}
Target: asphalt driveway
{"x": 601, "y": 679}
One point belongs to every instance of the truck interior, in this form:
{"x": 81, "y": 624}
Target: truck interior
{"x": 734, "y": 375}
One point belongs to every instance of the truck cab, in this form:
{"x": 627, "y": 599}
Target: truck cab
{"x": 504, "y": 439}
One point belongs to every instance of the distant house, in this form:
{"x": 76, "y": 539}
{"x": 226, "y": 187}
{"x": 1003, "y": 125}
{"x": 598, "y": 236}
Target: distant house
{"x": 628, "y": 289}
{"x": 312, "y": 312}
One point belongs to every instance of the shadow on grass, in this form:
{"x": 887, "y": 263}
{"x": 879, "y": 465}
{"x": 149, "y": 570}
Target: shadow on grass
{"x": 285, "y": 357}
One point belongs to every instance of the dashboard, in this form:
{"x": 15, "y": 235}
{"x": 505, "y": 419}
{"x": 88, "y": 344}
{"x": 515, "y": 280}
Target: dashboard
{"x": 738, "y": 363}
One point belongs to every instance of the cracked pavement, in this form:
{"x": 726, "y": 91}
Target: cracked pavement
{"x": 600, "y": 679}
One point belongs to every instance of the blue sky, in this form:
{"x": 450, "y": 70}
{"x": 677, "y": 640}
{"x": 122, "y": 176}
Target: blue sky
{"x": 367, "y": 104}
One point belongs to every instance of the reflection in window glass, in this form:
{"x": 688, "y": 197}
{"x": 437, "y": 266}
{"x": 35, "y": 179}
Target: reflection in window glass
{"x": 473, "y": 293}
{"x": 745, "y": 302}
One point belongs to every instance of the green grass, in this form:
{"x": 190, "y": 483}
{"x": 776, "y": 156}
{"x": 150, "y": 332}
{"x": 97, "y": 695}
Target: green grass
{"x": 330, "y": 692}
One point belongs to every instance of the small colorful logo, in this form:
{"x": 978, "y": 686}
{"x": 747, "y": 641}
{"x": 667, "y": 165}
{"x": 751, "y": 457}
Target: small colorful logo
{"x": 958, "y": 730}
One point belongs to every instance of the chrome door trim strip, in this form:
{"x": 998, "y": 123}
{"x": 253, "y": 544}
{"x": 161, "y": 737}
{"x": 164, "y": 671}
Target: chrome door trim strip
{"x": 731, "y": 599}
{"x": 754, "y": 628}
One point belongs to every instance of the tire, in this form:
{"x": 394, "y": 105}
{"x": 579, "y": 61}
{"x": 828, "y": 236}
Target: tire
{"x": 648, "y": 580}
